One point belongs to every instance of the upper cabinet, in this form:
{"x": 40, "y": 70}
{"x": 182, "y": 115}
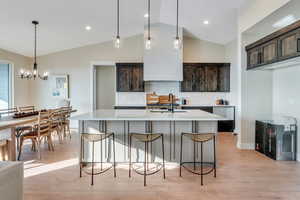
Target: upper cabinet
{"x": 130, "y": 77}
{"x": 206, "y": 77}
{"x": 281, "y": 45}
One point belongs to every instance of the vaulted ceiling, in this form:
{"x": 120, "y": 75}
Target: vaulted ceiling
{"x": 62, "y": 22}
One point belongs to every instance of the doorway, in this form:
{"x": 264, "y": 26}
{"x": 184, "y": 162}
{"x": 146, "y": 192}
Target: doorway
{"x": 5, "y": 85}
{"x": 105, "y": 87}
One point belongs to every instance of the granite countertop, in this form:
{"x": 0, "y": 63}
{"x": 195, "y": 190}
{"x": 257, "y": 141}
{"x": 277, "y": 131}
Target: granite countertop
{"x": 144, "y": 115}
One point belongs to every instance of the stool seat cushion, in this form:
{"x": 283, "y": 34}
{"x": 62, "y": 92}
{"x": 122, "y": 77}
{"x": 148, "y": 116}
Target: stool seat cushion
{"x": 95, "y": 137}
{"x": 146, "y": 137}
{"x": 200, "y": 137}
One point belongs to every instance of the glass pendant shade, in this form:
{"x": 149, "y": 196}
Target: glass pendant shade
{"x": 148, "y": 44}
{"x": 177, "y": 43}
{"x": 117, "y": 42}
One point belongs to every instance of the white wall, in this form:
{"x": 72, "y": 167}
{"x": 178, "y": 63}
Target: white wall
{"x": 254, "y": 96}
{"x": 286, "y": 96}
{"x": 21, "y": 87}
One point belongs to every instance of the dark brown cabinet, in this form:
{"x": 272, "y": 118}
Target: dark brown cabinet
{"x": 206, "y": 77}
{"x": 130, "y": 77}
{"x": 281, "y": 45}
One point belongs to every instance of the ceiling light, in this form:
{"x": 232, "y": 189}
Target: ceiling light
{"x": 34, "y": 74}
{"x": 146, "y": 15}
{"x": 88, "y": 28}
{"x": 177, "y": 39}
{"x": 117, "y": 42}
{"x": 148, "y": 41}
{"x": 287, "y": 20}
{"x": 205, "y": 22}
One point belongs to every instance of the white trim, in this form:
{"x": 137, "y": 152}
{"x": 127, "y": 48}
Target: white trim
{"x": 93, "y": 80}
{"x": 248, "y": 146}
{"x": 12, "y": 81}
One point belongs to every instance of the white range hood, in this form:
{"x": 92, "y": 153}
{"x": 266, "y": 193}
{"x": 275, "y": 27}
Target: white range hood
{"x": 162, "y": 62}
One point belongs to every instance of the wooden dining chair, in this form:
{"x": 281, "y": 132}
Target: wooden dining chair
{"x": 8, "y": 111}
{"x": 66, "y": 113}
{"x": 57, "y": 118}
{"x": 26, "y": 109}
{"x": 42, "y": 130}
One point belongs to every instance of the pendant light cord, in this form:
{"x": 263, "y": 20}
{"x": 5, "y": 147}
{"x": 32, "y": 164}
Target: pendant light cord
{"x": 177, "y": 21}
{"x": 149, "y": 20}
{"x": 35, "y": 43}
{"x": 118, "y": 18}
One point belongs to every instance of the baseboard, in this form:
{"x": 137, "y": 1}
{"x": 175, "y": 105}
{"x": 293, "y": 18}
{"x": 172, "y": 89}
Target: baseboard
{"x": 249, "y": 146}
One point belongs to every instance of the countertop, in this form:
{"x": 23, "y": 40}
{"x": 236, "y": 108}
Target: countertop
{"x": 146, "y": 115}
{"x": 194, "y": 105}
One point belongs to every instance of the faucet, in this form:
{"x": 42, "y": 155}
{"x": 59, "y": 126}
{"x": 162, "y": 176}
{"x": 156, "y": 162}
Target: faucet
{"x": 171, "y": 99}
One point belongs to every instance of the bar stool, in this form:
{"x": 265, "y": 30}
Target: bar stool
{"x": 147, "y": 138}
{"x": 93, "y": 138}
{"x": 4, "y": 149}
{"x": 199, "y": 138}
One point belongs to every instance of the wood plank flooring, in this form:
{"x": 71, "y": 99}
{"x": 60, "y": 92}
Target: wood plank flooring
{"x": 241, "y": 175}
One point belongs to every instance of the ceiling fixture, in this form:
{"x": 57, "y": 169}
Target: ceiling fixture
{"x": 148, "y": 41}
{"x": 205, "y": 22}
{"x": 177, "y": 39}
{"x": 146, "y": 15}
{"x": 27, "y": 74}
{"x": 117, "y": 40}
{"x": 88, "y": 28}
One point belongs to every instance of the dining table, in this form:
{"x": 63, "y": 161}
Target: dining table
{"x": 10, "y": 124}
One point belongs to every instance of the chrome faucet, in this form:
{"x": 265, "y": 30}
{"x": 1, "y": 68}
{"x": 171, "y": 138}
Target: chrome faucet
{"x": 171, "y": 99}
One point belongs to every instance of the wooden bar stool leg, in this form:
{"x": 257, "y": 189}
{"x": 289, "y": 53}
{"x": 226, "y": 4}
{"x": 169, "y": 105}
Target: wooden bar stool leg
{"x": 101, "y": 158}
{"x": 80, "y": 156}
{"x": 194, "y": 155}
{"x": 215, "y": 168}
{"x": 130, "y": 138}
{"x": 163, "y": 155}
{"x": 145, "y": 163}
{"x": 93, "y": 156}
{"x": 114, "y": 152}
{"x": 180, "y": 154}
{"x": 201, "y": 163}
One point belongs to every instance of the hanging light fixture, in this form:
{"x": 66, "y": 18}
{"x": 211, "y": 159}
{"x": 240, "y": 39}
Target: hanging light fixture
{"x": 32, "y": 75}
{"x": 177, "y": 42}
{"x": 117, "y": 42}
{"x": 148, "y": 40}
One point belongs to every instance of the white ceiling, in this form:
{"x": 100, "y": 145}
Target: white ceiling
{"x": 62, "y": 22}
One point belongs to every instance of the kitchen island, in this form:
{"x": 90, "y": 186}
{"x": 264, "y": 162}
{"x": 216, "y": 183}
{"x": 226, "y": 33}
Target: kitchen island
{"x": 123, "y": 122}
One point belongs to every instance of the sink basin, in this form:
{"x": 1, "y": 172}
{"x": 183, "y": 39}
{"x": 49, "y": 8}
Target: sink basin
{"x": 166, "y": 111}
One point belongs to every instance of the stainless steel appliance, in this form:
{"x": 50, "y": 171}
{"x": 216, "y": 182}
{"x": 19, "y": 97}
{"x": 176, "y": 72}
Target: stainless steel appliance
{"x": 277, "y": 137}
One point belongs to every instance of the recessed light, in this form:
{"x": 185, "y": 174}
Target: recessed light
{"x": 88, "y": 28}
{"x": 146, "y": 15}
{"x": 205, "y": 22}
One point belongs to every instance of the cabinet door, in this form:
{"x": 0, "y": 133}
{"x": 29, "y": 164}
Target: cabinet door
{"x": 224, "y": 78}
{"x": 289, "y": 45}
{"x": 123, "y": 78}
{"x": 211, "y": 78}
{"x": 254, "y": 58}
{"x": 188, "y": 83}
{"x": 200, "y": 82}
{"x": 137, "y": 82}
{"x": 269, "y": 52}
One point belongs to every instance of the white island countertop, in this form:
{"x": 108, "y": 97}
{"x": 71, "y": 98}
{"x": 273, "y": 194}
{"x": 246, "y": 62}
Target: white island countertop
{"x": 147, "y": 115}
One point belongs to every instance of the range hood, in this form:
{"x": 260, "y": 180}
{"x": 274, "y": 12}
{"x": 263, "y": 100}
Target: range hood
{"x": 162, "y": 62}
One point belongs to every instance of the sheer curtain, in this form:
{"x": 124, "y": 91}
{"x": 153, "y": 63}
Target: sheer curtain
{"x": 4, "y": 85}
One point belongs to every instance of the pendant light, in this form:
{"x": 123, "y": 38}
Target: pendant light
{"x": 34, "y": 73}
{"x": 177, "y": 42}
{"x": 148, "y": 40}
{"x": 117, "y": 42}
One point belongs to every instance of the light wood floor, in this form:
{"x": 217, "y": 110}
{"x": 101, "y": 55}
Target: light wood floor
{"x": 242, "y": 175}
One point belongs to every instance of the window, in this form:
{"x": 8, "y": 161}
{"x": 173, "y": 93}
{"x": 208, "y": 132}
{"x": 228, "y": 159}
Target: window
{"x": 5, "y": 85}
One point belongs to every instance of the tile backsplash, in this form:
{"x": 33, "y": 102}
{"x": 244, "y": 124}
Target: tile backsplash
{"x": 166, "y": 87}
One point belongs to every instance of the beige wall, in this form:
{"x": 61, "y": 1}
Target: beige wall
{"x": 77, "y": 63}
{"x": 195, "y": 50}
{"x": 21, "y": 87}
